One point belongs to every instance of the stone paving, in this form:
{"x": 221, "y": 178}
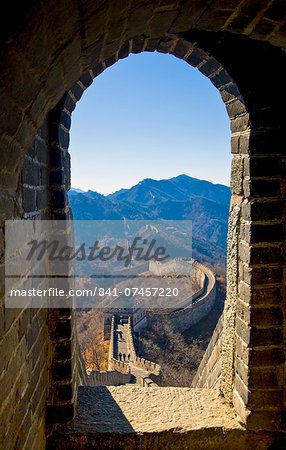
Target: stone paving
{"x": 131, "y": 408}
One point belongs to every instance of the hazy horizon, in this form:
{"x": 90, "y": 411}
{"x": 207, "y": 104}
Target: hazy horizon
{"x": 160, "y": 179}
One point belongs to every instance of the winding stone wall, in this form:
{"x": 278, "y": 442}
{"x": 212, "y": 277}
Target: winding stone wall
{"x": 191, "y": 310}
{"x": 177, "y": 266}
{"x": 97, "y": 378}
{"x": 188, "y": 317}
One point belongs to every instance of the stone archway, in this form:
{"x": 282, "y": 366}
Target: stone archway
{"x": 44, "y": 54}
{"x": 236, "y": 331}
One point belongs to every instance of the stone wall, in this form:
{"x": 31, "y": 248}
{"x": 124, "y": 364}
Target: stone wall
{"x": 181, "y": 267}
{"x": 63, "y": 383}
{"x": 111, "y": 343}
{"x": 139, "y": 320}
{"x": 201, "y": 303}
{"x": 43, "y": 353}
{"x": 137, "y": 314}
{"x": 25, "y": 361}
{"x": 118, "y": 371}
{"x": 123, "y": 367}
{"x": 187, "y": 268}
{"x": 209, "y": 371}
{"x": 82, "y": 374}
{"x": 119, "y": 366}
{"x": 177, "y": 266}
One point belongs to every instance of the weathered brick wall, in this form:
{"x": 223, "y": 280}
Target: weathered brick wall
{"x": 63, "y": 348}
{"x": 35, "y": 346}
{"x": 209, "y": 371}
{"x": 23, "y": 332}
{"x": 253, "y": 356}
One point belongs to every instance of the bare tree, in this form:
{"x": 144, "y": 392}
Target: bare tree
{"x": 90, "y": 336}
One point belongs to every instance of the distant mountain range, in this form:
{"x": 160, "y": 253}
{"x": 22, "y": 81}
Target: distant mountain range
{"x": 179, "y": 198}
{"x": 151, "y": 192}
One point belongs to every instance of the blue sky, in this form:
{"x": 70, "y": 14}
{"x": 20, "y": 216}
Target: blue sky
{"x": 149, "y": 116}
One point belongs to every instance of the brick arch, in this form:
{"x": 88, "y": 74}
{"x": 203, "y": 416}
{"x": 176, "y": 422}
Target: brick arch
{"x": 49, "y": 45}
{"x": 255, "y": 187}
{"x": 60, "y": 123}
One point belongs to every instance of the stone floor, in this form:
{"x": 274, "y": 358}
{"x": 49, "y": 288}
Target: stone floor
{"x": 133, "y": 408}
{"x": 155, "y": 418}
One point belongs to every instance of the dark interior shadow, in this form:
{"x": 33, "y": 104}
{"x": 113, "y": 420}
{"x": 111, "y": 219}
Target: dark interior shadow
{"x": 97, "y": 411}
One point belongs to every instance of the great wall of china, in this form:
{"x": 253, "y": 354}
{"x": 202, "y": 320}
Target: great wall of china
{"x": 130, "y": 370}
{"x": 187, "y": 313}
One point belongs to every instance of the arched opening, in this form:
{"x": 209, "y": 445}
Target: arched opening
{"x": 152, "y": 116}
{"x": 61, "y": 120}
{"x": 242, "y": 188}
